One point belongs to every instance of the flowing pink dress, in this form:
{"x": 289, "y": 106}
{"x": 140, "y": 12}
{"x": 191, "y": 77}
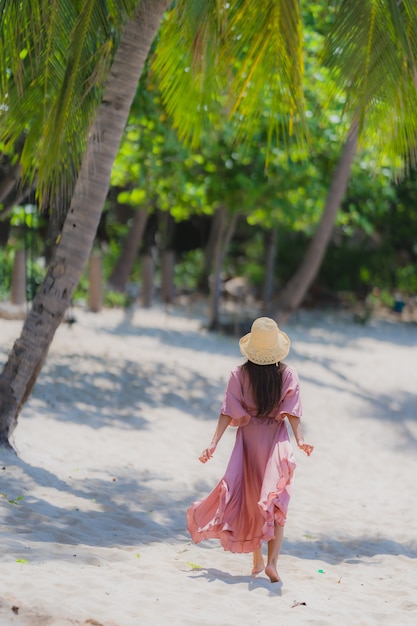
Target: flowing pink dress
{"x": 256, "y": 488}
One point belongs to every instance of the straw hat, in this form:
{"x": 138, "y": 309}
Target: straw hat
{"x": 266, "y": 343}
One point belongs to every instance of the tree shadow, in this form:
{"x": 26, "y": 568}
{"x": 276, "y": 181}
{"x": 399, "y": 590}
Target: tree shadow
{"x": 339, "y": 330}
{"x": 120, "y": 510}
{"x": 333, "y": 551}
{"x": 135, "y": 509}
{"x": 353, "y": 550}
{"x": 304, "y": 325}
{"x": 194, "y": 337}
{"x": 99, "y": 392}
{"x": 399, "y": 410}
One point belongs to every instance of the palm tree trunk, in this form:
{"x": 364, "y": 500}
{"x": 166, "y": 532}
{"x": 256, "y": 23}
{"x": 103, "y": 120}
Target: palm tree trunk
{"x": 72, "y": 252}
{"x": 124, "y": 264}
{"x": 296, "y": 289}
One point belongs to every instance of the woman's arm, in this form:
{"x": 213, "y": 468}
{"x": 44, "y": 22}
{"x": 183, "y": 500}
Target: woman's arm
{"x": 298, "y": 434}
{"x": 222, "y": 423}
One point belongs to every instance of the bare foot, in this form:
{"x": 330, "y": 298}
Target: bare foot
{"x": 258, "y": 562}
{"x": 271, "y": 572}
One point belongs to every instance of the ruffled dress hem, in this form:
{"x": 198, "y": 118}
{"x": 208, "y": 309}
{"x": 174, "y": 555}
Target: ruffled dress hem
{"x": 273, "y": 508}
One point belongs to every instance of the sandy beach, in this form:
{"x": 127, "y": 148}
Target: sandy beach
{"x": 93, "y": 507}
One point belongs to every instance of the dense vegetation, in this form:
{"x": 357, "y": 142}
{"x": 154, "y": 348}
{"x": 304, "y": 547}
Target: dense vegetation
{"x": 280, "y": 190}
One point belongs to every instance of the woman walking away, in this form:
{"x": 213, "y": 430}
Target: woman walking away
{"x": 249, "y": 504}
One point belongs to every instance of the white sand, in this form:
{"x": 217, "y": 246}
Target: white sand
{"x": 93, "y": 508}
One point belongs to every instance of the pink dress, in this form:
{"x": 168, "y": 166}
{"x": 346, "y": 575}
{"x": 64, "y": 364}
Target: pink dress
{"x": 256, "y": 488}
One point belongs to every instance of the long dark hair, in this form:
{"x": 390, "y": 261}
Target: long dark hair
{"x": 266, "y": 384}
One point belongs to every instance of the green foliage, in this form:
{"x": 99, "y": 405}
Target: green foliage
{"x": 111, "y": 298}
{"x": 53, "y": 64}
{"x": 406, "y": 278}
{"x": 255, "y": 273}
{"x": 6, "y": 269}
{"x": 252, "y": 63}
{"x": 371, "y": 51}
{"x": 189, "y": 270}
{"x": 116, "y": 299}
{"x": 81, "y": 291}
{"x": 154, "y": 166}
{"x": 224, "y": 71}
{"x": 35, "y": 272}
{"x": 227, "y": 60}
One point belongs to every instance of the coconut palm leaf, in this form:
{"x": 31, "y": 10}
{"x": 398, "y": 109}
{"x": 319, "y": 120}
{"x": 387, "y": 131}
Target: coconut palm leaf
{"x": 187, "y": 64}
{"x": 53, "y": 61}
{"x": 228, "y": 59}
{"x": 372, "y": 53}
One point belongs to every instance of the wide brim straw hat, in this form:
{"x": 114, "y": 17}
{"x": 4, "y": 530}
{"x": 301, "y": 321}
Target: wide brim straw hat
{"x": 266, "y": 343}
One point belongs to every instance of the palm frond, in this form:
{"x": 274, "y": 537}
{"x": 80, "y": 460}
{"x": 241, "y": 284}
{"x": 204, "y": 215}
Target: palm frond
{"x": 266, "y": 42}
{"x": 372, "y": 55}
{"x": 228, "y": 59}
{"x": 186, "y": 63}
{"x": 53, "y": 60}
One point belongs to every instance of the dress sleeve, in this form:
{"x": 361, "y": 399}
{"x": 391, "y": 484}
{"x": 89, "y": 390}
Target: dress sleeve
{"x": 290, "y": 399}
{"x": 233, "y": 401}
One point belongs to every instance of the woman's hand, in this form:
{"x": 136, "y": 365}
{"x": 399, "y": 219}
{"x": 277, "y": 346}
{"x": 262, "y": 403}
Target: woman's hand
{"x": 207, "y": 453}
{"x": 222, "y": 423}
{"x": 306, "y": 447}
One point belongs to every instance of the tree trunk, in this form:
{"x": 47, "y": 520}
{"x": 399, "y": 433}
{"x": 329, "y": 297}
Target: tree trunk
{"x": 147, "y": 279}
{"x": 18, "y": 287}
{"x": 167, "y": 276}
{"x": 296, "y": 289}
{"x": 270, "y": 254}
{"x": 95, "y": 288}
{"x": 167, "y": 255}
{"x": 123, "y": 267}
{"x": 224, "y": 233}
{"x": 209, "y": 248}
{"x": 71, "y": 255}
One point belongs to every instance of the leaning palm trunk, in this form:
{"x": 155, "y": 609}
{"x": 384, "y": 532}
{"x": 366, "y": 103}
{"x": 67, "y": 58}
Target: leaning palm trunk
{"x": 296, "y": 289}
{"x": 30, "y": 350}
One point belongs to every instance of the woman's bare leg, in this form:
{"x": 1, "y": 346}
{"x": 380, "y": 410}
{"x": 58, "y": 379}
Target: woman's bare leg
{"x": 258, "y": 562}
{"x": 274, "y": 549}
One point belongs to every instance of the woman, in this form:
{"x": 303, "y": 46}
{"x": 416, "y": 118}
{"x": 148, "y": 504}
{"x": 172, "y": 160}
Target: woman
{"x": 249, "y": 504}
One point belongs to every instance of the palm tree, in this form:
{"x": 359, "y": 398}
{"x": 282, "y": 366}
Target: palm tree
{"x": 297, "y": 287}
{"x": 71, "y": 254}
{"x": 372, "y": 50}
